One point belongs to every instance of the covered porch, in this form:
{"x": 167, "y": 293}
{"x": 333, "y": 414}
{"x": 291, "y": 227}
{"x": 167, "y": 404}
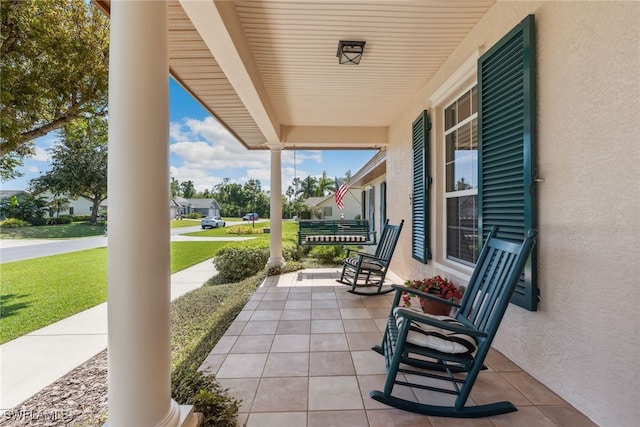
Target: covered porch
{"x": 268, "y": 72}
{"x": 299, "y": 354}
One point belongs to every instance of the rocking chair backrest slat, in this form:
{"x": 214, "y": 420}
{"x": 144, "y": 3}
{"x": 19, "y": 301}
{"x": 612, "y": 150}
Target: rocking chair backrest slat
{"x": 496, "y": 274}
{"x": 388, "y": 241}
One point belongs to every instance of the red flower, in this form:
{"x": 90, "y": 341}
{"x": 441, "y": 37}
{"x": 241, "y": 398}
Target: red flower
{"x": 436, "y": 285}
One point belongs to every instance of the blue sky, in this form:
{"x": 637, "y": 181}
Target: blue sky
{"x": 204, "y": 152}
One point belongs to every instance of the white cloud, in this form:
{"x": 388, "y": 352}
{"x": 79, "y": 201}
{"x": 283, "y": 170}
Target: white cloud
{"x": 33, "y": 169}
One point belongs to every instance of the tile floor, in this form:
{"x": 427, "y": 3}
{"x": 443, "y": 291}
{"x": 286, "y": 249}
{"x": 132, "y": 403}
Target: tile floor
{"x": 299, "y": 355}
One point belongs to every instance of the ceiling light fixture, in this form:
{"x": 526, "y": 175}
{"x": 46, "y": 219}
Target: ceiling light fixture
{"x": 350, "y": 52}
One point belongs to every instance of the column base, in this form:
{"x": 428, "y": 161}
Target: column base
{"x": 179, "y": 416}
{"x": 275, "y": 262}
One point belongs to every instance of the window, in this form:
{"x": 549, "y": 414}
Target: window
{"x": 461, "y": 182}
{"x": 372, "y": 209}
{"x": 71, "y": 210}
{"x": 383, "y": 204}
{"x": 327, "y": 211}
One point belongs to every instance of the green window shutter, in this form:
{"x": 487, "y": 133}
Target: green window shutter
{"x": 421, "y": 182}
{"x": 372, "y": 209}
{"x": 363, "y": 206}
{"x": 383, "y": 204}
{"x": 506, "y": 145}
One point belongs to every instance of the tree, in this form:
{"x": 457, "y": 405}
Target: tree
{"x": 53, "y": 67}
{"x": 188, "y": 189}
{"x": 79, "y": 164}
{"x": 58, "y": 204}
{"x": 308, "y": 187}
{"x": 174, "y": 188}
{"x": 325, "y": 185}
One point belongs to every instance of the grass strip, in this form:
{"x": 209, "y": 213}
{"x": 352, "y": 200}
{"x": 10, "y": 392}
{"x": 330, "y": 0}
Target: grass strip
{"x": 37, "y": 292}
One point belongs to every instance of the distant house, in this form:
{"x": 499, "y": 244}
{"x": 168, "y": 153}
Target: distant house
{"x": 329, "y": 209}
{"x": 205, "y": 207}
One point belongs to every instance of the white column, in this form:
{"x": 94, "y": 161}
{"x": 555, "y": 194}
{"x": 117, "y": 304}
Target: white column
{"x": 139, "y": 238}
{"x": 275, "y": 199}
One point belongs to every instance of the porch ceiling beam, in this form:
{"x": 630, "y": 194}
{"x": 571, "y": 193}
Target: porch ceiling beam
{"x": 221, "y": 30}
{"x": 369, "y": 137}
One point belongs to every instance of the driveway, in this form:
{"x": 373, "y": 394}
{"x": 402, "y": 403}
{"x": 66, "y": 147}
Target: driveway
{"x": 21, "y": 249}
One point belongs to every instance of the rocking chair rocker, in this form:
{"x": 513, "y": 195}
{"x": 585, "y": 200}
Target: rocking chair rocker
{"x": 362, "y": 269}
{"x": 427, "y": 346}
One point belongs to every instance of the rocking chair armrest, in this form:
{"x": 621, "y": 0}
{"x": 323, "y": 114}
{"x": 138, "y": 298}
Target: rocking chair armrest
{"x": 354, "y": 252}
{"x": 432, "y": 297}
{"x": 413, "y": 315}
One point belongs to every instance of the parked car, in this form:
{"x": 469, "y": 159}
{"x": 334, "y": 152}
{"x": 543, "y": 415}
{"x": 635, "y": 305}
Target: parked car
{"x": 212, "y": 222}
{"x": 253, "y": 216}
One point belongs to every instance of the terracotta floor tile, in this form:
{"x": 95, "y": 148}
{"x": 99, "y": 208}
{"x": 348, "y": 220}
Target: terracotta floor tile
{"x": 325, "y": 313}
{"x": 266, "y": 315}
{"x": 491, "y": 387}
{"x": 299, "y": 296}
{"x": 296, "y": 314}
{"x": 271, "y": 305}
{"x": 460, "y": 422}
{"x": 262, "y": 327}
{"x": 297, "y": 304}
{"x": 286, "y": 365}
{"x": 330, "y": 295}
{"x": 360, "y": 325}
{"x": 281, "y": 395}
{"x": 326, "y": 326}
{"x": 369, "y": 383}
{"x": 396, "y": 418}
{"x": 338, "y": 419}
{"x": 275, "y": 296}
{"x": 566, "y": 416}
{"x": 525, "y": 416}
{"x": 243, "y": 389}
{"x": 368, "y": 362}
{"x": 324, "y": 303}
{"x": 330, "y": 363}
{"x": 212, "y": 363}
{"x": 288, "y": 327}
{"x": 277, "y": 419}
{"x": 532, "y": 389}
{"x": 334, "y": 393}
{"x": 498, "y": 362}
{"x": 236, "y": 327}
{"x": 352, "y": 303}
{"x": 298, "y": 343}
{"x": 242, "y": 366}
{"x": 252, "y": 344}
{"x": 355, "y": 313}
{"x": 363, "y": 340}
{"x": 224, "y": 344}
{"x": 329, "y": 342}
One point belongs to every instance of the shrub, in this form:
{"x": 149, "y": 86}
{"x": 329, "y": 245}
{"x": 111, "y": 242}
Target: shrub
{"x": 244, "y": 229}
{"x": 240, "y": 260}
{"x": 13, "y": 223}
{"x": 78, "y": 218}
{"x": 198, "y": 320}
{"x": 328, "y": 254}
{"x": 193, "y": 215}
{"x": 36, "y": 222}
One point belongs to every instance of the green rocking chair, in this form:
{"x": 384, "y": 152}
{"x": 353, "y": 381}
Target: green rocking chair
{"x": 422, "y": 348}
{"x": 362, "y": 270}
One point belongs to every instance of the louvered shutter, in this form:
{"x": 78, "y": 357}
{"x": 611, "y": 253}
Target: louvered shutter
{"x": 383, "y": 204}
{"x": 506, "y": 143}
{"x": 421, "y": 182}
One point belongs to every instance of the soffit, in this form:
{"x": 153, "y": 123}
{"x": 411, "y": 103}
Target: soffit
{"x": 292, "y": 88}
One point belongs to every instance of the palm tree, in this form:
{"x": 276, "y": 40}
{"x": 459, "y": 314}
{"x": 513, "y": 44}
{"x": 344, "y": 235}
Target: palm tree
{"x": 308, "y": 187}
{"x": 58, "y": 204}
{"x": 325, "y": 185}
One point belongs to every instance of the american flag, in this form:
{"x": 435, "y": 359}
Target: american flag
{"x": 340, "y": 192}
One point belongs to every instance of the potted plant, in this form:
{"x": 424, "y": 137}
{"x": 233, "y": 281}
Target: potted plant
{"x": 437, "y": 286}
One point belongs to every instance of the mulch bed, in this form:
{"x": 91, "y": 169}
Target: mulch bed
{"x": 77, "y": 399}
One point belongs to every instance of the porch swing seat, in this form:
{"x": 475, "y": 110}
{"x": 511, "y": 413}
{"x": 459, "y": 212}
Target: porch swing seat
{"x": 423, "y": 351}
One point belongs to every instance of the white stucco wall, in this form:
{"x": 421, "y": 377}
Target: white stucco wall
{"x": 584, "y": 340}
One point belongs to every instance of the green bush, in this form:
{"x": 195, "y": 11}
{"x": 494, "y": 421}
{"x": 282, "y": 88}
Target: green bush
{"x": 198, "y": 320}
{"x": 193, "y": 215}
{"x": 50, "y": 221}
{"x": 244, "y": 229}
{"x": 78, "y": 218}
{"x": 328, "y": 254}
{"x": 13, "y": 223}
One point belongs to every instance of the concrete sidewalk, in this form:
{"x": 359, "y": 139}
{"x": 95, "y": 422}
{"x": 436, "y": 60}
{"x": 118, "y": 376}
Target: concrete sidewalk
{"x": 33, "y": 361}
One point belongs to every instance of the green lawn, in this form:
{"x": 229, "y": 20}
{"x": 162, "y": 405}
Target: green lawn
{"x": 287, "y": 227}
{"x": 35, "y": 293}
{"x": 61, "y": 231}
{"x": 185, "y": 222}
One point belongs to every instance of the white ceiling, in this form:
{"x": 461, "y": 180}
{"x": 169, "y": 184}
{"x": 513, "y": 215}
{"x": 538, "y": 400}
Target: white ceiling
{"x": 267, "y": 69}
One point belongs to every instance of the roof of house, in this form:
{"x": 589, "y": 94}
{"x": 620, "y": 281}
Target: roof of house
{"x": 4, "y": 194}
{"x": 203, "y": 203}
